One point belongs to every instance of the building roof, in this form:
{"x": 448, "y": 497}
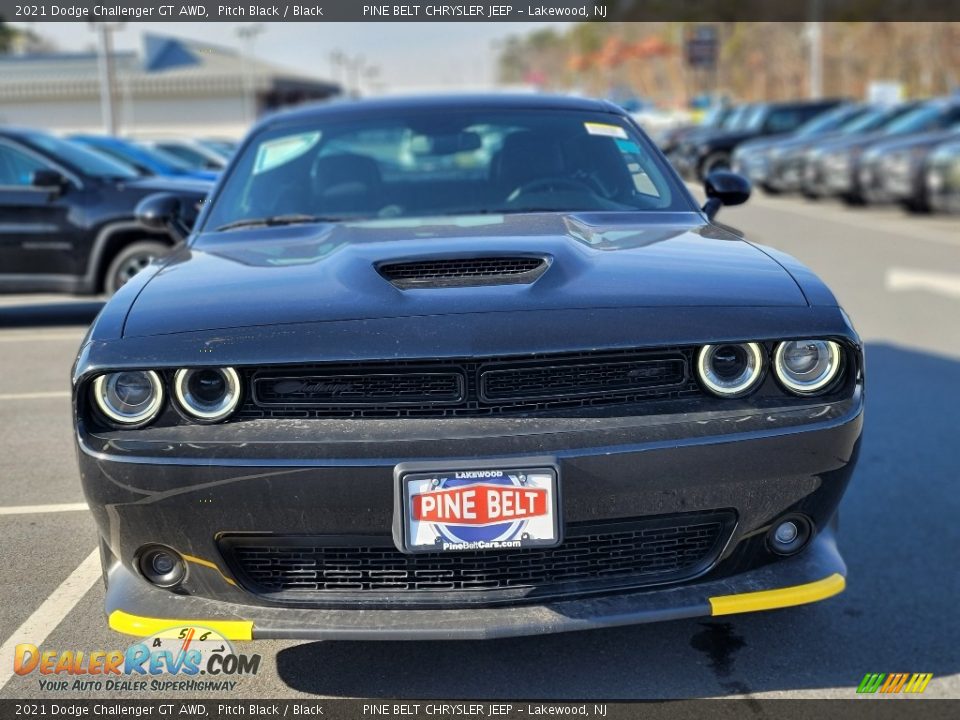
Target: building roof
{"x": 215, "y": 70}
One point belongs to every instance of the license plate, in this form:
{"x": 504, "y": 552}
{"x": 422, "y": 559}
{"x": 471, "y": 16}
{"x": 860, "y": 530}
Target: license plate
{"x": 478, "y": 509}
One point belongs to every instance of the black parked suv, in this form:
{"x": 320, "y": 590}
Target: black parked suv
{"x": 714, "y": 151}
{"x": 67, "y": 216}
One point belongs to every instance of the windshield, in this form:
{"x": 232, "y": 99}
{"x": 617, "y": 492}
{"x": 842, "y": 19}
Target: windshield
{"x": 755, "y": 119}
{"x": 221, "y": 147}
{"x": 86, "y": 161}
{"x": 193, "y": 158}
{"x": 155, "y": 159}
{"x": 736, "y": 116}
{"x": 424, "y": 163}
{"x": 829, "y": 121}
{"x": 925, "y": 117}
{"x": 715, "y": 116}
{"x": 876, "y": 119}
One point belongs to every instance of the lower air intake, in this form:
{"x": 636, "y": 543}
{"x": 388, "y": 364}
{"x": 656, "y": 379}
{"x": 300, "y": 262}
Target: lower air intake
{"x": 595, "y": 557}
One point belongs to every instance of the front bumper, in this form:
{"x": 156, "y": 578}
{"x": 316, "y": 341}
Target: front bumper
{"x": 942, "y": 188}
{"x": 787, "y": 174}
{"x": 754, "y": 166}
{"x": 761, "y": 463}
{"x": 818, "y": 573}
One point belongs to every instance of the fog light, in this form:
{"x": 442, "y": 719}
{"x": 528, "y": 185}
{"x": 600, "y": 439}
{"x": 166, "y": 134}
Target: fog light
{"x": 789, "y": 535}
{"x": 786, "y": 533}
{"x": 162, "y": 566}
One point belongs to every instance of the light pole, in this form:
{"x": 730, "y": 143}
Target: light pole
{"x": 815, "y": 49}
{"x": 248, "y": 35}
{"x": 352, "y": 71}
{"x": 105, "y": 64}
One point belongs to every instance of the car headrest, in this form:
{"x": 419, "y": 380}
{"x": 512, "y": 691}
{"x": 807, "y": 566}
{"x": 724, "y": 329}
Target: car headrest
{"x": 526, "y": 156}
{"x": 346, "y": 182}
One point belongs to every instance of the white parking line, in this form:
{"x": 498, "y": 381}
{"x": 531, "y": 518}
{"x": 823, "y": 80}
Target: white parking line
{"x": 36, "y": 395}
{"x": 937, "y": 282}
{"x": 36, "y": 628}
{"x": 41, "y": 509}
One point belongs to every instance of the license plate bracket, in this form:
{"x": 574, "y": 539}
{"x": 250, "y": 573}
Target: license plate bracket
{"x": 481, "y": 506}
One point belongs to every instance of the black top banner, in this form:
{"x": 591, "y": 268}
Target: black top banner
{"x": 479, "y": 10}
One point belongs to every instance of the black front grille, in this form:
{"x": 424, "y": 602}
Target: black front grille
{"x": 463, "y": 271}
{"x": 592, "y": 558}
{"x": 574, "y": 379}
{"x": 387, "y": 388}
{"x": 574, "y": 382}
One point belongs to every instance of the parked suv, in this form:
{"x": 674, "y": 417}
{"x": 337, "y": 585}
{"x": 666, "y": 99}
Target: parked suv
{"x": 714, "y": 151}
{"x": 67, "y": 216}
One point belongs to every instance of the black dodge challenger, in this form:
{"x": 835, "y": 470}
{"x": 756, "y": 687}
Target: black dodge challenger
{"x": 463, "y": 368}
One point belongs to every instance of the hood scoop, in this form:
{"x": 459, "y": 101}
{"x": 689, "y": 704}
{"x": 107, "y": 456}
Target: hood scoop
{"x": 464, "y": 271}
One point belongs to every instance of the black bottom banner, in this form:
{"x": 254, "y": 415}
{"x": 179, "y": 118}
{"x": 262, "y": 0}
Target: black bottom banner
{"x": 734, "y": 709}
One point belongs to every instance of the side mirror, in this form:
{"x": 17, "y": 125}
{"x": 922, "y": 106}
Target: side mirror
{"x": 162, "y": 212}
{"x": 48, "y": 179}
{"x": 724, "y": 188}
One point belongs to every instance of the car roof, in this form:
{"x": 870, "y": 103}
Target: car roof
{"x": 441, "y": 103}
{"x": 102, "y": 139}
{"x": 20, "y": 133}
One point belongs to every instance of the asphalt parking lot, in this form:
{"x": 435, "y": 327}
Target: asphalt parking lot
{"x": 898, "y": 277}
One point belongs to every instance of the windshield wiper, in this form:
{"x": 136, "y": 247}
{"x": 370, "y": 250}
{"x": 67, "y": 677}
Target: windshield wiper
{"x": 292, "y": 219}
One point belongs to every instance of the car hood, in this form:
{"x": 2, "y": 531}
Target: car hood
{"x": 727, "y": 138}
{"x": 760, "y": 144}
{"x": 787, "y": 144}
{"x": 919, "y": 141}
{"x": 853, "y": 142}
{"x": 193, "y": 186}
{"x": 329, "y": 272}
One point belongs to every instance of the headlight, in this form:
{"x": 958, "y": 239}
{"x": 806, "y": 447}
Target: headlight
{"x": 838, "y": 162}
{"x": 131, "y": 397}
{"x": 896, "y": 162}
{"x": 806, "y": 367}
{"x": 207, "y": 394}
{"x": 730, "y": 370}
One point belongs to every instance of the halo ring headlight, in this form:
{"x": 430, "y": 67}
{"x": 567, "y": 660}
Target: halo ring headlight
{"x": 806, "y": 367}
{"x": 128, "y": 397}
{"x": 207, "y": 394}
{"x": 731, "y": 369}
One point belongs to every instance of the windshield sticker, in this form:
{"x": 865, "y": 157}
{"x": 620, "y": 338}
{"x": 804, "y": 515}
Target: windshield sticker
{"x": 274, "y": 153}
{"x": 605, "y": 130}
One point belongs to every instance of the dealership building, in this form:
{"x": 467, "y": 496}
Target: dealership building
{"x": 174, "y": 86}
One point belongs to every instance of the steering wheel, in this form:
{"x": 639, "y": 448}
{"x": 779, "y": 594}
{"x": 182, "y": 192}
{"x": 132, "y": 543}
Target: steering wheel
{"x": 549, "y": 183}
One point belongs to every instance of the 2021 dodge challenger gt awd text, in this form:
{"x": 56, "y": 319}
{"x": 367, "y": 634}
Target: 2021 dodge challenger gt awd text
{"x": 463, "y": 368}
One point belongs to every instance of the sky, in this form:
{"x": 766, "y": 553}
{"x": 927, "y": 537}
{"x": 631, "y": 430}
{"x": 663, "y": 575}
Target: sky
{"x": 409, "y": 56}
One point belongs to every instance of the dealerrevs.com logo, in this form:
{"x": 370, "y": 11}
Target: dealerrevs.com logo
{"x": 186, "y": 658}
